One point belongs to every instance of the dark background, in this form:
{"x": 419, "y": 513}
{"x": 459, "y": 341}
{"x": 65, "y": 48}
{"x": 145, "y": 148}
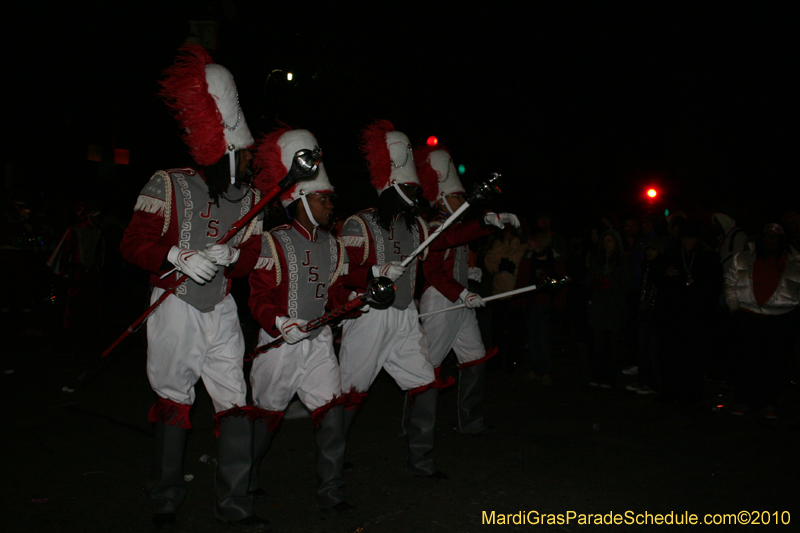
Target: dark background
{"x": 580, "y": 108}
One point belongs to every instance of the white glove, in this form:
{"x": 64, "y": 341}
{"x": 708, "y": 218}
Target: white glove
{"x": 392, "y": 270}
{"x": 290, "y": 329}
{"x": 194, "y": 264}
{"x": 222, "y": 254}
{"x": 475, "y": 274}
{"x": 353, "y": 296}
{"x": 471, "y": 300}
{"x": 492, "y": 219}
{"x": 509, "y": 218}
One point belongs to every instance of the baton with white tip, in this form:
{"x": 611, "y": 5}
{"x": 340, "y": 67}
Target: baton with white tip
{"x": 481, "y": 192}
{"x": 548, "y": 282}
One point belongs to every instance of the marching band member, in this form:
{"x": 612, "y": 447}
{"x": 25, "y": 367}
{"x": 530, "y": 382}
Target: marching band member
{"x": 299, "y": 266}
{"x": 446, "y": 275}
{"x": 195, "y": 334}
{"x": 381, "y": 238}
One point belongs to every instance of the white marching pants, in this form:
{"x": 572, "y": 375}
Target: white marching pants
{"x": 308, "y": 368}
{"x": 385, "y": 338}
{"x": 455, "y": 330}
{"x": 184, "y": 345}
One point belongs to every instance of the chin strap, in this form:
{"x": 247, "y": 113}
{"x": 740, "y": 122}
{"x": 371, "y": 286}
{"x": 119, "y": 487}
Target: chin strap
{"x": 447, "y": 205}
{"x": 232, "y": 163}
{"x": 402, "y": 195}
{"x": 308, "y": 210}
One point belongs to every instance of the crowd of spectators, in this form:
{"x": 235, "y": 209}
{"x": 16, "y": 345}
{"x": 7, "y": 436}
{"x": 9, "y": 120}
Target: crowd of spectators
{"x": 661, "y": 305}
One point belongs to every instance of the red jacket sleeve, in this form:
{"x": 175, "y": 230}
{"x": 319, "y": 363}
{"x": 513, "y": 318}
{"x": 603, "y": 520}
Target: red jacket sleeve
{"x": 440, "y": 276}
{"x": 143, "y": 245}
{"x": 264, "y": 295}
{"x": 460, "y": 233}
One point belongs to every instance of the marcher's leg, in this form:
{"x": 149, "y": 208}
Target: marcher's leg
{"x": 234, "y": 504}
{"x": 330, "y": 461}
{"x": 167, "y": 486}
{"x": 274, "y": 378}
{"x": 473, "y": 359}
{"x": 350, "y": 414}
{"x": 263, "y": 430}
{"x": 421, "y": 428}
{"x": 471, "y": 381}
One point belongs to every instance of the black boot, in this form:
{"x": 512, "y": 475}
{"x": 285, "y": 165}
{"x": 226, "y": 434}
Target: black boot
{"x": 330, "y": 459}
{"x": 168, "y": 488}
{"x": 471, "y": 382}
{"x": 234, "y": 504}
{"x": 420, "y": 428}
{"x": 262, "y": 438}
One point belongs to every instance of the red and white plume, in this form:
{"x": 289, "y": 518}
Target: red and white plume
{"x": 273, "y": 160}
{"x": 202, "y": 95}
{"x": 437, "y": 173}
{"x": 389, "y": 156}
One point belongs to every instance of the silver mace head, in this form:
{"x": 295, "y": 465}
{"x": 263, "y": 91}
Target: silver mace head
{"x": 380, "y": 292}
{"x": 487, "y": 189}
{"x": 304, "y": 165}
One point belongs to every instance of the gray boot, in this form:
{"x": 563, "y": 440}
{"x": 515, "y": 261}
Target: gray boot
{"x": 169, "y": 488}
{"x": 349, "y": 417}
{"x": 404, "y": 418}
{"x": 330, "y": 457}
{"x": 234, "y": 463}
{"x": 471, "y": 382}
{"x": 420, "y": 429}
{"x": 262, "y": 438}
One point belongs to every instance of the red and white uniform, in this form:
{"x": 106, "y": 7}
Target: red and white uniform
{"x": 388, "y": 338}
{"x": 195, "y": 333}
{"x": 296, "y": 276}
{"x": 445, "y": 280}
{"x": 391, "y": 338}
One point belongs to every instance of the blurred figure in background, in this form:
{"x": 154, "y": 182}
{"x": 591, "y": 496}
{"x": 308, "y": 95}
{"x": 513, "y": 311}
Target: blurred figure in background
{"x": 502, "y": 261}
{"x": 611, "y": 281}
{"x": 78, "y": 260}
{"x": 762, "y": 290}
{"x": 731, "y": 238}
{"x": 689, "y": 294}
{"x": 649, "y": 364}
{"x": 540, "y": 264}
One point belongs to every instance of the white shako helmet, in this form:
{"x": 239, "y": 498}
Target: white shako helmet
{"x": 437, "y": 173}
{"x": 273, "y": 160}
{"x": 389, "y": 156}
{"x": 203, "y": 97}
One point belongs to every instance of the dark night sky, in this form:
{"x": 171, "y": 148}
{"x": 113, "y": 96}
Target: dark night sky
{"x": 577, "y": 108}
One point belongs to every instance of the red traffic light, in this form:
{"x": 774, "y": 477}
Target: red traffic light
{"x": 432, "y": 141}
{"x": 652, "y": 193}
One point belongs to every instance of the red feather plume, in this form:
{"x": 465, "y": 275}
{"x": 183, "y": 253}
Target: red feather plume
{"x": 428, "y": 177}
{"x": 373, "y": 146}
{"x": 269, "y": 169}
{"x": 185, "y": 92}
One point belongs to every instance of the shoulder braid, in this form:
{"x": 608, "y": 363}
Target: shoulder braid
{"x": 273, "y": 249}
{"x": 365, "y": 232}
{"x": 340, "y": 263}
{"x": 167, "y": 199}
{"x": 256, "y": 224}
